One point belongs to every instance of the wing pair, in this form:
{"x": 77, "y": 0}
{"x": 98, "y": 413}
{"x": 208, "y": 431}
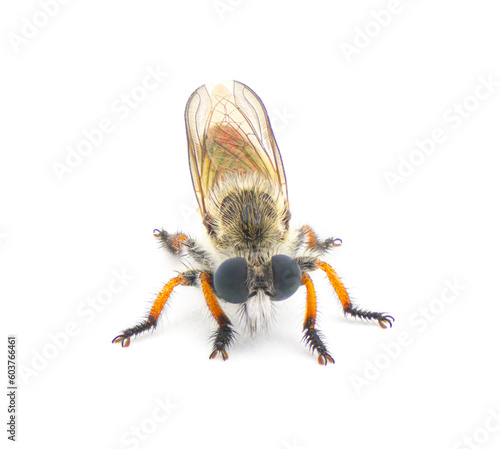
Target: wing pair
{"x": 228, "y": 132}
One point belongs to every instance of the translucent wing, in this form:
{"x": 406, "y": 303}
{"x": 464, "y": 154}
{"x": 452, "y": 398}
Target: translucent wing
{"x": 228, "y": 131}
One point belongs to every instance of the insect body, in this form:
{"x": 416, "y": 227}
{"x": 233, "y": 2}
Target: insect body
{"x": 256, "y": 258}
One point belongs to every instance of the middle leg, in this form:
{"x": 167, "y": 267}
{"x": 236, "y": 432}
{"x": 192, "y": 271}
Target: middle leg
{"x": 383, "y": 319}
{"x": 312, "y": 263}
{"x": 186, "y": 278}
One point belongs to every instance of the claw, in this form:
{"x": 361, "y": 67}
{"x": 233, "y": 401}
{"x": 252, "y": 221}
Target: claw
{"x": 125, "y": 341}
{"x": 386, "y": 320}
{"x": 222, "y": 352}
{"x": 331, "y": 242}
{"x": 323, "y": 359}
{"x": 156, "y": 233}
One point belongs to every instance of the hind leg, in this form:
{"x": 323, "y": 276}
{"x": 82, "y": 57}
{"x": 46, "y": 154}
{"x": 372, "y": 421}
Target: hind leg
{"x": 309, "y": 237}
{"x": 179, "y": 244}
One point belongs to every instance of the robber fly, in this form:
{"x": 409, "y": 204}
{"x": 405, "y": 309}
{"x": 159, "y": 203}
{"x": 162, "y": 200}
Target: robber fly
{"x": 256, "y": 258}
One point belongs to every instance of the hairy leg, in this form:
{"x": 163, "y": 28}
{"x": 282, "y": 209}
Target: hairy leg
{"x": 179, "y": 244}
{"x": 189, "y": 278}
{"x": 312, "y": 241}
{"x": 311, "y": 335}
{"x": 312, "y": 263}
{"x": 173, "y": 243}
{"x": 224, "y": 335}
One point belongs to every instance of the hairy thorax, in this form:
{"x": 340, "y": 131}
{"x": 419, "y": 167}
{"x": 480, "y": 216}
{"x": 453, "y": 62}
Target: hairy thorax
{"x": 248, "y": 215}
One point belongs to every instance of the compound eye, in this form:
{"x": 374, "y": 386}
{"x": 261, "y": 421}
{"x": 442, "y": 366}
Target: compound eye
{"x": 230, "y": 280}
{"x": 287, "y": 276}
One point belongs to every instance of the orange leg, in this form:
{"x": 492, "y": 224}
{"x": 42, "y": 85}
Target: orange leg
{"x": 337, "y": 285}
{"x": 311, "y": 334}
{"x": 382, "y": 319}
{"x": 311, "y": 304}
{"x": 166, "y": 291}
{"x": 156, "y": 309}
{"x": 224, "y": 335}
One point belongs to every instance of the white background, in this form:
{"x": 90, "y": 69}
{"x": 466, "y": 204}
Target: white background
{"x": 348, "y": 122}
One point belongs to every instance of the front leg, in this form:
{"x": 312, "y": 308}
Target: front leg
{"x": 224, "y": 335}
{"x": 311, "y": 335}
